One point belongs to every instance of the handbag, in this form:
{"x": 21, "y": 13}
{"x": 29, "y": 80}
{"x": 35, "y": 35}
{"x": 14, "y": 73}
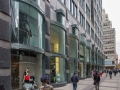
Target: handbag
{"x": 94, "y": 83}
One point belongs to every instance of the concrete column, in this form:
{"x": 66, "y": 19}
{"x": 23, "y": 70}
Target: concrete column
{"x": 5, "y": 46}
{"x": 47, "y": 38}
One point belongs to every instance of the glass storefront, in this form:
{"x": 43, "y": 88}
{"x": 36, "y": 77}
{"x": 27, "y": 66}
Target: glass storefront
{"x": 82, "y": 52}
{"x": 26, "y": 69}
{"x": 57, "y": 40}
{"x": 26, "y": 25}
{"x": 73, "y": 47}
{"x": 57, "y": 67}
{"x": 81, "y": 70}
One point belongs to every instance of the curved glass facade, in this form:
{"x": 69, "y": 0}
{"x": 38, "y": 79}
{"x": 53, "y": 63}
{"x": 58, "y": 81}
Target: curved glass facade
{"x": 73, "y": 47}
{"x": 57, "y": 40}
{"x": 26, "y": 25}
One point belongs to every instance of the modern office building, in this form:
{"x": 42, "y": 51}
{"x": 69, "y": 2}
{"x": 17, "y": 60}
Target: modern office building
{"x": 109, "y": 42}
{"x": 49, "y": 37}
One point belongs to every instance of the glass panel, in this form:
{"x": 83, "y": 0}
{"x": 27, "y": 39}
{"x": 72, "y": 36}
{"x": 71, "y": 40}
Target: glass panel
{"x": 72, "y": 68}
{"x": 82, "y": 38}
{"x": 26, "y": 70}
{"x": 73, "y": 44}
{"x": 27, "y": 25}
{"x": 57, "y": 40}
{"x": 82, "y": 52}
{"x": 88, "y": 55}
{"x": 57, "y": 66}
{"x": 61, "y": 18}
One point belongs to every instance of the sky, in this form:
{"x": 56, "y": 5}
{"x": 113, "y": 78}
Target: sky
{"x": 112, "y": 8}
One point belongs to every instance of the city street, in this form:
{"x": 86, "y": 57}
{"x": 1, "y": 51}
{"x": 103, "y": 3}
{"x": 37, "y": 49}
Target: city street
{"x": 87, "y": 84}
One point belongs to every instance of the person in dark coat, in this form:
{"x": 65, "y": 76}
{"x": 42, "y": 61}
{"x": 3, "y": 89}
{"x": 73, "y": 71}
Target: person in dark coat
{"x": 96, "y": 80}
{"x": 110, "y": 73}
{"x": 74, "y": 80}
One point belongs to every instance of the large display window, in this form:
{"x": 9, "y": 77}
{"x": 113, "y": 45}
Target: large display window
{"x": 57, "y": 67}
{"x": 26, "y": 70}
{"x": 73, "y": 47}
{"x": 27, "y": 25}
{"x": 82, "y": 52}
{"x": 57, "y": 39}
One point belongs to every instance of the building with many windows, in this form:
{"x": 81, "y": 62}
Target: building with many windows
{"x": 49, "y": 37}
{"x": 109, "y": 42}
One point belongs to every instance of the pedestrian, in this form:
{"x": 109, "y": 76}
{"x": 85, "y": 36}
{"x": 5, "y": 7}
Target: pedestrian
{"x": 45, "y": 85}
{"x": 100, "y": 73}
{"x": 92, "y": 73}
{"x": 74, "y": 80}
{"x": 96, "y": 80}
{"x": 110, "y": 73}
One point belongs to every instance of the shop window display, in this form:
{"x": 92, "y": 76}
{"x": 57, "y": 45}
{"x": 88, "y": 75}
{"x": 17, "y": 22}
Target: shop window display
{"x": 57, "y": 66}
{"x": 26, "y": 25}
{"x": 26, "y": 70}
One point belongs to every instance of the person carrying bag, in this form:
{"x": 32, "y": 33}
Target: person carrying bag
{"x": 96, "y": 80}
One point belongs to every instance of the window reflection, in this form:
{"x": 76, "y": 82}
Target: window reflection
{"x": 27, "y": 25}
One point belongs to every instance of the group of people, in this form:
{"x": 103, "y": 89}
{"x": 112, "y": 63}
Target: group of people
{"x": 110, "y": 72}
{"x": 74, "y": 80}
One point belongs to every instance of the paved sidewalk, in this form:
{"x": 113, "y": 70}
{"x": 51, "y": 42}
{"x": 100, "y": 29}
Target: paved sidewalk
{"x": 87, "y": 84}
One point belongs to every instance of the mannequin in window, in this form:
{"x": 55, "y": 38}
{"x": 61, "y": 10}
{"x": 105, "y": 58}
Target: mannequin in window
{"x": 26, "y": 78}
{"x": 26, "y": 71}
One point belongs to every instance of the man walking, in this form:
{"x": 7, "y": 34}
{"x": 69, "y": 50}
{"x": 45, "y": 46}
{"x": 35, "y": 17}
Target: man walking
{"x": 96, "y": 80}
{"x": 74, "y": 80}
{"x": 110, "y": 73}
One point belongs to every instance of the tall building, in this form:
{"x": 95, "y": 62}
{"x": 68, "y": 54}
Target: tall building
{"x": 109, "y": 42}
{"x": 49, "y": 37}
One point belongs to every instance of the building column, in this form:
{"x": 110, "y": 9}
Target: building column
{"x": 67, "y": 55}
{"x": 47, "y": 39}
{"x": 90, "y": 61}
{"x": 85, "y": 64}
{"x": 5, "y": 46}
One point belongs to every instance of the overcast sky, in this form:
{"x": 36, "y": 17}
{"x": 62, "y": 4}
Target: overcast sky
{"x": 112, "y": 8}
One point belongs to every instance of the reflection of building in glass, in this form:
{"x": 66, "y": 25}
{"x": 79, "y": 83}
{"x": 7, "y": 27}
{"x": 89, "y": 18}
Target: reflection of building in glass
{"x": 49, "y": 39}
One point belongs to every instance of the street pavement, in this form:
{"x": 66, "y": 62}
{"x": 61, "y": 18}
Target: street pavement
{"x": 87, "y": 84}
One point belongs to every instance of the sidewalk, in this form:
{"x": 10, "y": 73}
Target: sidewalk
{"x": 87, "y": 84}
